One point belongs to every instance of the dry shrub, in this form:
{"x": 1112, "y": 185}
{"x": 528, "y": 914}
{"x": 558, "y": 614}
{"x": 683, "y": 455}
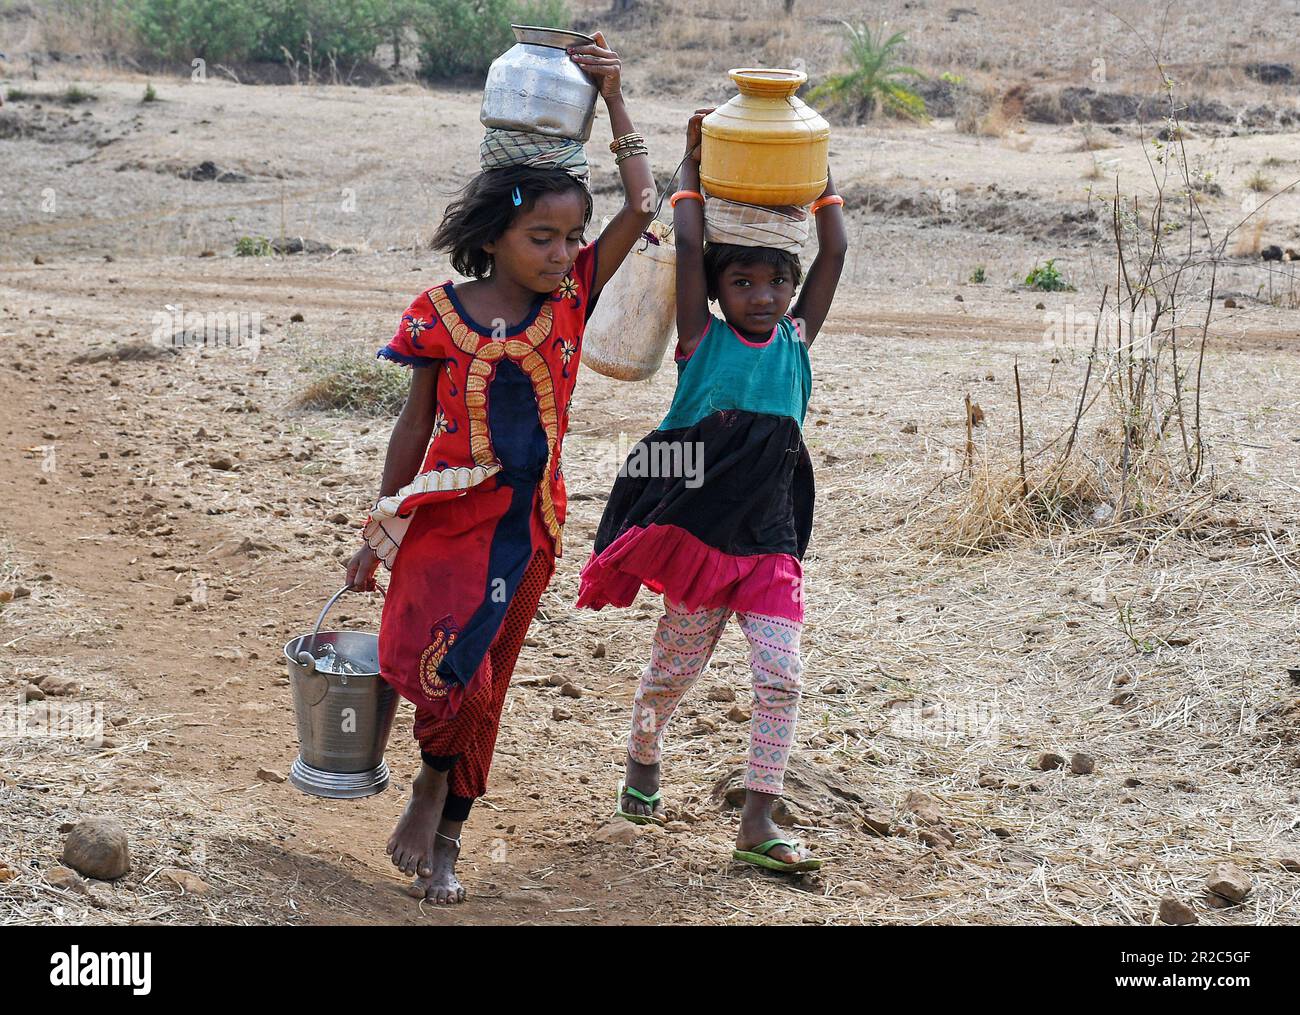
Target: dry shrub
{"x": 355, "y": 382}
{"x": 996, "y": 507}
{"x": 1252, "y": 238}
{"x": 87, "y": 27}
{"x": 1132, "y": 464}
{"x": 1093, "y": 139}
{"x": 981, "y": 112}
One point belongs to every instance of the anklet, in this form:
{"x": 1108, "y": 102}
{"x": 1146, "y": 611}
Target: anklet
{"x": 448, "y": 838}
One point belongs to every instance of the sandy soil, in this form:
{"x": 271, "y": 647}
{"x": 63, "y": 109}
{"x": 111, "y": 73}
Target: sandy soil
{"x": 128, "y": 515}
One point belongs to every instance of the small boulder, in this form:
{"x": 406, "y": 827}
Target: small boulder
{"x": 98, "y": 848}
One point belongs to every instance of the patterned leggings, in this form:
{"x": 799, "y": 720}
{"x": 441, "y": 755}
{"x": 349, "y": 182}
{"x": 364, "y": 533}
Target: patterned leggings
{"x": 683, "y": 643}
{"x": 464, "y": 743}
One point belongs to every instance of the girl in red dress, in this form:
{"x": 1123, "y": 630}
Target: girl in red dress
{"x": 477, "y": 513}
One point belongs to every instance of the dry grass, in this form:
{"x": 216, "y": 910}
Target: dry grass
{"x": 353, "y": 381}
{"x": 983, "y": 113}
{"x": 1251, "y": 237}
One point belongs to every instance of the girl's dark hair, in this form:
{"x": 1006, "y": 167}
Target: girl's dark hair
{"x": 718, "y": 256}
{"x": 486, "y": 207}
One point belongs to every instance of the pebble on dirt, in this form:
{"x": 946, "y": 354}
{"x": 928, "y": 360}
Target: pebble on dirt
{"x": 1228, "y": 882}
{"x": 738, "y": 714}
{"x": 269, "y": 775}
{"x": 97, "y": 848}
{"x": 560, "y": 714}
{"x": 63, "y": 877}
{"x": 619, "y": 831}
{"x": 184, "y": 881}
{"x": 1082, "y": 764}
{"x": 1175, "y": 912}
{"x": 877, "y": 823}
{"x": 571, "y": 691}
{"x": 59, "y": 686}
{"x": 721, "y": 693}
{"x": 1047, "y": 762}
{"x": 924, "y": 808}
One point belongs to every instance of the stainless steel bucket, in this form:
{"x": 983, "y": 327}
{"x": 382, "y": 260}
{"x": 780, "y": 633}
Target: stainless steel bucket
{"x": 534, "y": 86}
{"x": 343, "y": 719}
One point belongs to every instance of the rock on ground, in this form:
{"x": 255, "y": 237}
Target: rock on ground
{"x": 97, "y": 848}
{"x": 1228, "y": 882}
{"x": 1175, "y": 912}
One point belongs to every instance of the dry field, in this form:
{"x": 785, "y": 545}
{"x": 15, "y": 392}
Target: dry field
{"x": 171, "y": 519}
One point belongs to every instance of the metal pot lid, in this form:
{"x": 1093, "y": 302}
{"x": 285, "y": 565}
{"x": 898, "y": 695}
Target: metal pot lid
{"x": 555, "y": 38}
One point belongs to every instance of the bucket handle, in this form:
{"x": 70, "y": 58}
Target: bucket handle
{"x": 305, "y": 658}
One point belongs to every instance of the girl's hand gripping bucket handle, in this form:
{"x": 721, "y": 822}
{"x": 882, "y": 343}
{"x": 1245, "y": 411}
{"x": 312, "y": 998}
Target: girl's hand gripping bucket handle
{"x": 305, "y": 658}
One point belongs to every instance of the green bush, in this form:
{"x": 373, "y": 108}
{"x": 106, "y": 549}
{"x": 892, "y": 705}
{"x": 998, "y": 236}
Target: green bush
{"x": 212, "y": 29}
{"x": 1047, "y": 278}
{"x": 252, "y": 246}
{"x": 348, "y": 30}
{"x": 459, "y": 37}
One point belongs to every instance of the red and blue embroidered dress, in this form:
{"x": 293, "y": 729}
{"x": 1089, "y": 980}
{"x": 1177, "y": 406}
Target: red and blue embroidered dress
{"x": 487, "y": 507}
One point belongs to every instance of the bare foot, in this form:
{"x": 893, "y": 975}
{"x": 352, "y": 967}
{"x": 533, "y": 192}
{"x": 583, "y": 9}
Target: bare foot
{"x": 757, "y": 827}
{"x": 644, "y": 779}
{"x": 412, "y": 843}
{"x": 442, "y": 886}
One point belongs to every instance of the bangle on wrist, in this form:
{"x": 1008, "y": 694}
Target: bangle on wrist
{"x": 823, "y": 202}
{"x": 694, "y": 195}
{"x": 629, "y": 140}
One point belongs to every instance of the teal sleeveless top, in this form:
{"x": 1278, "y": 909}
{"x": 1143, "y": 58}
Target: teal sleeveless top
{"x": 727, "y": 371}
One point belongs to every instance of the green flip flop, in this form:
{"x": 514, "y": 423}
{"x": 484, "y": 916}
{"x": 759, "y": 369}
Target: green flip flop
{"x": 758, "y": 857}
{"x": 639, "y": 819}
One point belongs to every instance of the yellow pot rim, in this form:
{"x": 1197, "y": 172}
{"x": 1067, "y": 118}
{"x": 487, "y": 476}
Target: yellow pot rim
{"x": 772, "y": 82}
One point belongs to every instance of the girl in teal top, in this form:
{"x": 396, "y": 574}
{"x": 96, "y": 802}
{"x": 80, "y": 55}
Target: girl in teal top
{"x": 714, "y": 508}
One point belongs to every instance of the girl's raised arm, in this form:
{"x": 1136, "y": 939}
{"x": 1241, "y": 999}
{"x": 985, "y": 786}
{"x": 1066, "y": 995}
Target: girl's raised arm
{"x": 814, "y": 301}
{"x": 626, "y": 227}
{"x": 688, "y": 231}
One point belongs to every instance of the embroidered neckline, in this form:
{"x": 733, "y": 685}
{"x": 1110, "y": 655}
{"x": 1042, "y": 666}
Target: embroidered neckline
{"x": 450, "y": 289}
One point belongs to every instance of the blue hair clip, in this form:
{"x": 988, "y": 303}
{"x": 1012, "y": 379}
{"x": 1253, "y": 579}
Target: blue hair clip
{"x": 517, "y": 198}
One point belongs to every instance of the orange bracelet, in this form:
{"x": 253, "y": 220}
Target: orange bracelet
{"x": 695, "y": 194}
{"x": 823, "y": 202}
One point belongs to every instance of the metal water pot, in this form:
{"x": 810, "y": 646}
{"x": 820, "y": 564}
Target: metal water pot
{"x": 343, "y": 718}
{"x": 534, "y": 86}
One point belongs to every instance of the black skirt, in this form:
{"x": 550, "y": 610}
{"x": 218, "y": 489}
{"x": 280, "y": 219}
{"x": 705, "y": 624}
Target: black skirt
{"x": 715, "y": 514}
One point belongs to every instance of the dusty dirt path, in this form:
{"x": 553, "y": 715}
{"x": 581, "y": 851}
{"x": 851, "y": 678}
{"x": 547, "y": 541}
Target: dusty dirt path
{"x": 132, "y": 514}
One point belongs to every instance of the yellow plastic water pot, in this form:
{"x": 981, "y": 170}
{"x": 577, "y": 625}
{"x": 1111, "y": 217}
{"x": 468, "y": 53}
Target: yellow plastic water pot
{"x": 764, "y": 146}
